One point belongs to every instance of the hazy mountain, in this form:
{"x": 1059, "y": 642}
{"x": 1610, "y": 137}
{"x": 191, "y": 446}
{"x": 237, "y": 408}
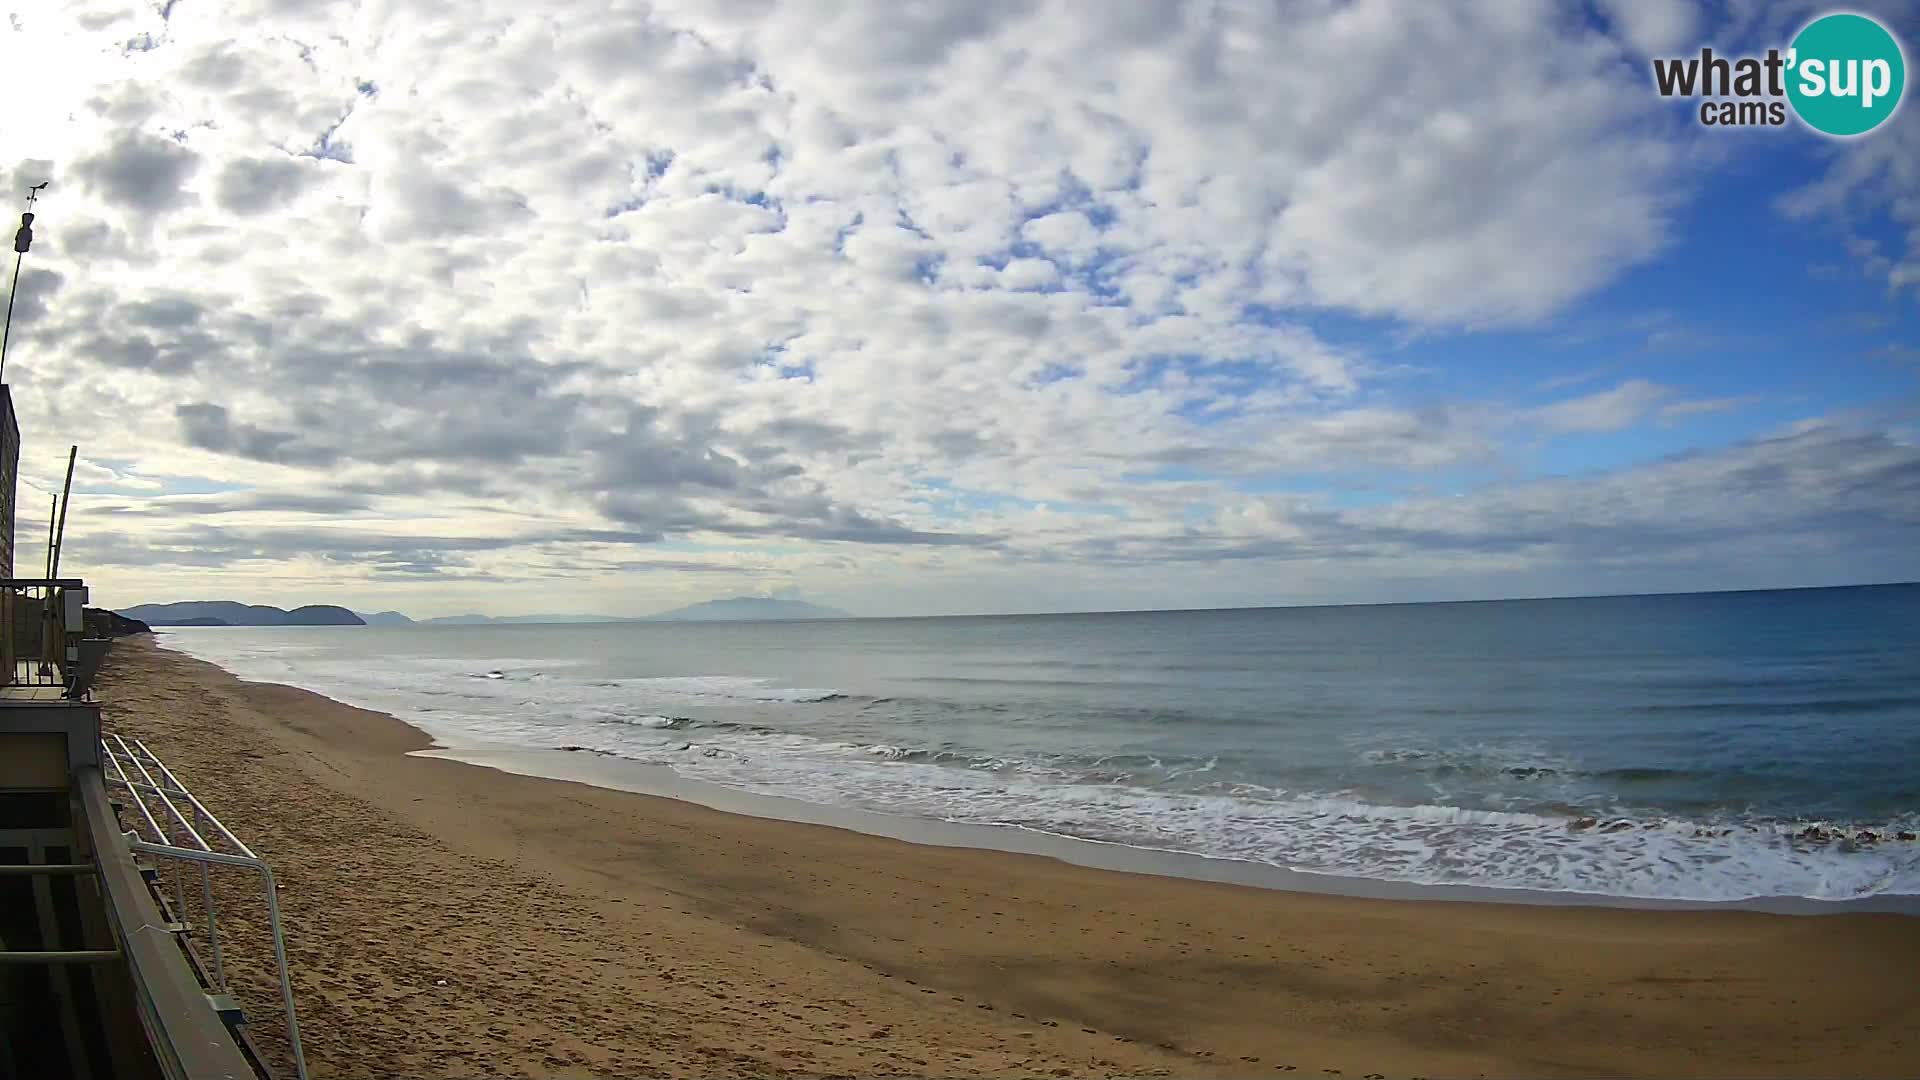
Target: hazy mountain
{"x": 226, "y": 613}
{"x": 323, "y": 615}
{"x": 232, "y": 613}
{"x": 486, "y": 620}
{"x": 742, "y": 608}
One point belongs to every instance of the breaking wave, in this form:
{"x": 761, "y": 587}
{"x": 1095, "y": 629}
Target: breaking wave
{"x": 745, "y": 732}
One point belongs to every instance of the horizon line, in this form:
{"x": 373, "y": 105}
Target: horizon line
{"x": 595, "y": 618}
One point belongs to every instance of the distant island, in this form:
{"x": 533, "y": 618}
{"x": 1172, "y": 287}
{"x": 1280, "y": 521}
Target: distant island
{"x": 733, "y": 609}
{"x": 231, "y": 613}
{"x": 743, "y": 608}
{"x": 487, "y": 620}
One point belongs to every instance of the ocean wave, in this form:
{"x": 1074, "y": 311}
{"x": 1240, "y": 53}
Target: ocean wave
{"x": 658, "y": 722}
{"x": 722, "y": 688}
{"x": 1326, "y": 833}
{"x": 1502, "y": 764}
{"x": 740, "y": 731}
{"x": 1333, "y": 834}
{"x": 1824, "y": 706}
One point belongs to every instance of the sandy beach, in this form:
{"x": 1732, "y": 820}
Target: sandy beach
{"x": 447, "y": 920}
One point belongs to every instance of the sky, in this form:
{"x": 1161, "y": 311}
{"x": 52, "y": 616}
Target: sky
{"x": 948, "y": 306}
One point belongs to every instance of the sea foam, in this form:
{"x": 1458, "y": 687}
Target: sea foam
{"x": 1141, "y": 801}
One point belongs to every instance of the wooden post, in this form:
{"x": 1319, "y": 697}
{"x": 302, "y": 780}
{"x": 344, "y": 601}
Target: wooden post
{"x": 57, "y": 598}
{"x": 66, "y": 496}
{"x": 46, "y": 599}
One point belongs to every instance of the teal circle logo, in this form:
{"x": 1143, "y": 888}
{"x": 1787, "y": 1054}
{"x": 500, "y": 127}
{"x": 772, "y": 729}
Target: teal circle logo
{"x": 1845, "y": 74}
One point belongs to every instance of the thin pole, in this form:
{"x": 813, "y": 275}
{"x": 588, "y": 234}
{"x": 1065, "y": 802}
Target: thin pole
{"x": 12, "y": 291}
{"x": 52, "y": 512}
{"x": 22, "y": 240}
{"x": 46, "y": 598}
{"x": 66, "y": 497}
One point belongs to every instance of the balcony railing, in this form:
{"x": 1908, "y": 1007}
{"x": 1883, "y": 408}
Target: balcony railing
{"x": 168, "y": 822}
{"x": 42, "y": 625}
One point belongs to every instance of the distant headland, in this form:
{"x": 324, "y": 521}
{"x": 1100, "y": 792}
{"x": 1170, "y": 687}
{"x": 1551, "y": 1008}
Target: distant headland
{"x": 232, "y": 613}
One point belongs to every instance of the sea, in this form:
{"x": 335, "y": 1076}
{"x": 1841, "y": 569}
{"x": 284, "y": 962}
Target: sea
{"x": 1719, "y": 746}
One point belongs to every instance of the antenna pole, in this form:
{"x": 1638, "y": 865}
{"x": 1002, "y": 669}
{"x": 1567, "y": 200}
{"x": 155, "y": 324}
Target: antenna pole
{"x": 52, "y": 512}
{"x": 66, "y": 497}
{"x": 22, "y": 242}
{"x": 7, "y": 334}
{"x": 46, "y": 597}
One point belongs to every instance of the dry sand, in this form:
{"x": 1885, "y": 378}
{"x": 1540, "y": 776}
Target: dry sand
{"x": 584, "y": 932}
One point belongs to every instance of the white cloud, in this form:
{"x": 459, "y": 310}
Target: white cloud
{"x": 1866, "y": 178}
{"x": 1656, "y": 27}
{"x": 1605, "y": 410}
{"x": 522, "y": 292}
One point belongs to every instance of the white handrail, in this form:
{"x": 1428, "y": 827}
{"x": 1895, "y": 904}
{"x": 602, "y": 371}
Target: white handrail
{"x": 273, "y": 920}
{"x": 181, "y": 789}
{"x": 206, "y": 875}
{"x": 205, "y": 856}
{"x": 120, "y": 778}
{"x": 164, "y": 799}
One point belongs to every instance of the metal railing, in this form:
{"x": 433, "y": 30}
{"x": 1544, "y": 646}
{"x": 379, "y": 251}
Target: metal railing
{"x": 157, "y": 795}
{"x": 42, "y": 621}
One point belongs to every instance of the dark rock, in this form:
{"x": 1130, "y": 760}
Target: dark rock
{"x": 1582, "y": 823}
{"x": 101, "y": 623}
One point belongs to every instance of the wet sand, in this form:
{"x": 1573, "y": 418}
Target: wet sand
{"x": 448, "y": 920}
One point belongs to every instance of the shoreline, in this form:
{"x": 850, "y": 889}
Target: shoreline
{"x": 611, "y": 771}
{"x": 429, "y": 901}
{"x": 614, "y": 773}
